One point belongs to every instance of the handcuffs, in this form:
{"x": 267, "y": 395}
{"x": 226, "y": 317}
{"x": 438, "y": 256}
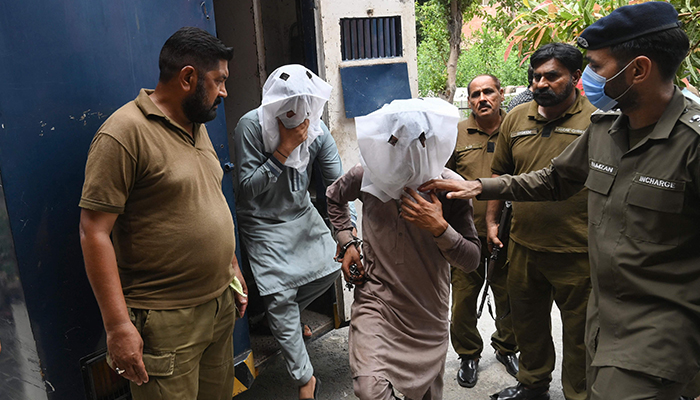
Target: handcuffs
{"x": 353, "y": 270}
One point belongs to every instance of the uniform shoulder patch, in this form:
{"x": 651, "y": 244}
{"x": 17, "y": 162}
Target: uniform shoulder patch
{"x": 600, "y": 114}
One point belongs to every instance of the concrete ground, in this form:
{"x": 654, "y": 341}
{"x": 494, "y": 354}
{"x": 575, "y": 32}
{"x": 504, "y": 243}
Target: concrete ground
{"x": 329, "y": 356}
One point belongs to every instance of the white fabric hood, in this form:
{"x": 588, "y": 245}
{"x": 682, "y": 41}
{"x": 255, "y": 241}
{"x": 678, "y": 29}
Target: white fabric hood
{"x": 423, "y": 132}
{"x": 292, "y": 88}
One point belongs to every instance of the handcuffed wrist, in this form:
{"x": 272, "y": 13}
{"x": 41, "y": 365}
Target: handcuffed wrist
{"x": 344, "y": 236}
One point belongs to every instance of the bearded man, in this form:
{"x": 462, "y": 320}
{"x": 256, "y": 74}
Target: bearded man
{"x": 548, "y": 253}
{"x": 165, "y": 285}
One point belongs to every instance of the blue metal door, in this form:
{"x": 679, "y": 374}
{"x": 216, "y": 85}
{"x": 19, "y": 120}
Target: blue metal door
{"x": 65, "y": 67}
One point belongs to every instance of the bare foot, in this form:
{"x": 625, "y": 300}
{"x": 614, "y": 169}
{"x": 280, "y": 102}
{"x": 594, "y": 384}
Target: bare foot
{"x": 307, "y": 331}
{"x": 307, "y": 391}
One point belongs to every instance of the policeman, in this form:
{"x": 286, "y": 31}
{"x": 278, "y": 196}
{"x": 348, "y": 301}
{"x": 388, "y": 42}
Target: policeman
{"x": 476, "y": 142}
{"x": 641, "y": 165}
{"x": 547, "y": 254}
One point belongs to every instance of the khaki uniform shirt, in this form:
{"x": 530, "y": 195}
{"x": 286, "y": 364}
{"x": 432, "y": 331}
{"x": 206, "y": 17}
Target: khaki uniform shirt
{"x": 472, "y": 160}
{"x": 529, "y": 142}
{"x": 173, "y": 237}
{"x": 644, "y": 218}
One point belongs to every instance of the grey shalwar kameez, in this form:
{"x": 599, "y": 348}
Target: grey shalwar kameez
{"x": 289, "y": 247}
{"x": 399, "y": 328}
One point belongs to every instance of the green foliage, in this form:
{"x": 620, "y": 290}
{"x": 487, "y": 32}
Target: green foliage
{"x": 483, "y": 55}
{"x": 689, "y": 13}
{"x": 539, "y": 23}
{"x": 433, "y": 46}
{"x": 536, "y": 23}
{"x": 486, "y": 56}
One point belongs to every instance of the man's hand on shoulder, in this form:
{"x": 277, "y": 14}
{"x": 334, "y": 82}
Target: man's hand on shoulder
{"x": 455, "y": 189}
{"x": 423, "y": 213}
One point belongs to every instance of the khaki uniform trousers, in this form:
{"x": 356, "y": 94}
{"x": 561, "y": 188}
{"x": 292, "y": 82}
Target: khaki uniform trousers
{"x": 188, "y": 352}
{"x": 612, "y": 383}
{"x": 466, "y": 288}
{"x": 535, "y": 279}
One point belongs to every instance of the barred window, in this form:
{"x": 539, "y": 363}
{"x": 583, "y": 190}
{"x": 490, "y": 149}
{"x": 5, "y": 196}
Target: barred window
{"x": 363, "y": 38}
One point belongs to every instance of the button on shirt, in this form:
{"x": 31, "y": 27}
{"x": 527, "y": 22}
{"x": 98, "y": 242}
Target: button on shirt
{"x": 644, "y": 214}
{"x": 528, "y": 142}
{"x": 174, "y": 236}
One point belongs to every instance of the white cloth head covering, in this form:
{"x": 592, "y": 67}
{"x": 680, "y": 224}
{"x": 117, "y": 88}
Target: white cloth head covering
{"x": 292, "y": 88}
{"x": 424, "y": 133}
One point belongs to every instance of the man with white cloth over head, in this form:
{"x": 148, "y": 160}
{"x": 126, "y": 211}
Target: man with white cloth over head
{"x": 399, "y": 326}
{"x": 289, "y": 247}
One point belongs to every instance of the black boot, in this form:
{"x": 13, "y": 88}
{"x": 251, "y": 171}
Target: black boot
{"x": 510, "y": 361}
{"x": 520, "y": 392}
{"x": 467, "y": 374}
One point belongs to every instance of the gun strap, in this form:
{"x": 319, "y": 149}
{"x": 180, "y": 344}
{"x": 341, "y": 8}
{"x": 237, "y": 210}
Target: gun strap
{"x": 490, "y": 309}
{"x": 481, "y": 304}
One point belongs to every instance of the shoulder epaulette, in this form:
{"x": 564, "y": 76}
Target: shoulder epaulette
{"x": 691, "y": 117}
{"x": 600, "y": 114}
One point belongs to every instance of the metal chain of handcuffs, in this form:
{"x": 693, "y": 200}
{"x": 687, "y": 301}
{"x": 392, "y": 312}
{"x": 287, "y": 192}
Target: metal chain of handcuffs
{"x": 353, "y": 270}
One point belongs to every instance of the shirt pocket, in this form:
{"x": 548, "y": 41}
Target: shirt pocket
{"x": 653, "y": 214}
{"x": 467, "y": 160}
{"x": 598, "y": 184}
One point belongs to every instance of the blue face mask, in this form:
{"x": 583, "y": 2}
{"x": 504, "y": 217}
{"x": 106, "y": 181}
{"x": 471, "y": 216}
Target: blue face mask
{"x": 594, "y": 87}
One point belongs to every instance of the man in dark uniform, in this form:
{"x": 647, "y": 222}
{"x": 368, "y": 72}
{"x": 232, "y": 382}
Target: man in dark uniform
{"x": 641, "y": 165}
{"x": 547, "y": 254}
{"x": 476, "y": 142}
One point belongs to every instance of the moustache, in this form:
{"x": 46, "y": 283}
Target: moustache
{"x": 544, "y": 92}
{"x": 216, "y": 102}
{"x": 484, "y": 104}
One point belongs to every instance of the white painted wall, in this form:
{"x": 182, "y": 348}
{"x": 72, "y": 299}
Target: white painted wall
{"x": 329, "y": 13}
{"x": 330, "y": 58}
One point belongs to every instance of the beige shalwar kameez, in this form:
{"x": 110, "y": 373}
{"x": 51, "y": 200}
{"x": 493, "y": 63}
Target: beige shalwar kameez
{"x": 399, "y": 326}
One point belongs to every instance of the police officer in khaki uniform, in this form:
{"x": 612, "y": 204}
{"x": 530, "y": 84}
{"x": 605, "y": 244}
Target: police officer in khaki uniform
{"x": 547, "y": 255}
{"x": 476, "y": 142}
{"x": 641, "y": 165}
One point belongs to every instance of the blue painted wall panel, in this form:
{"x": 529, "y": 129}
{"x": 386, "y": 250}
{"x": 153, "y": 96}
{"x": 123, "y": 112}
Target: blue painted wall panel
{"x": 66, "y": 66}
{"x": 367, "y": 88}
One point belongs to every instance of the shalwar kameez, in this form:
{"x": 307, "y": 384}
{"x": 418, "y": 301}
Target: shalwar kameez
{"x": 399, "y": 327}
{"x": 289, "y": 247}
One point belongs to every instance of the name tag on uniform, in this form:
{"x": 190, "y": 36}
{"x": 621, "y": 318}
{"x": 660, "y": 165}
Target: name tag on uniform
{"x": 659, "y": 183}
{"x": 472, "y": 147}
{"x": 528, "y": 132}
{"x": 570, "y": 131}
{"x": 599, "y": 166}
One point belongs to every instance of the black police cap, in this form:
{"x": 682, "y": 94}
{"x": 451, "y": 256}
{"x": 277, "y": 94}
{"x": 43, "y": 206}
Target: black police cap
{"x": 627, "y": 23}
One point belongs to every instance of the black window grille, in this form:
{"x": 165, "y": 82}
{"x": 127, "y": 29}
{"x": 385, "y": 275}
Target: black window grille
{"x": 371, "y": 37}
